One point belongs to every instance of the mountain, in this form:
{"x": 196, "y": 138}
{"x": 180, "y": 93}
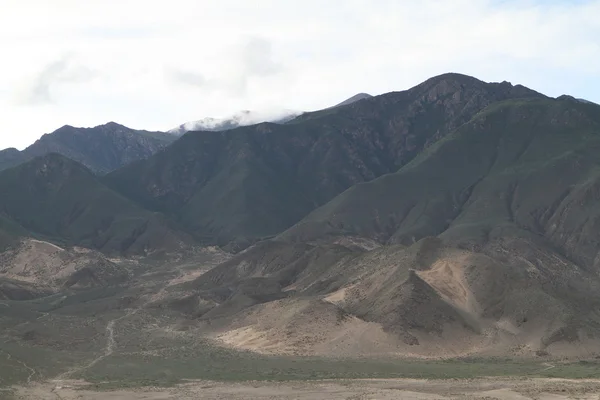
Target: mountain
{"x": 487, "y": 244}
{"x": 458, "y": 220}
{"x": 57, "y": 199}
{"x": 242, "y": 118}
{"x": 253, "y": 182}
{"x": 102, "y": 149}
{"x": 108, "y": 147}
{"x": 518, "y": 167}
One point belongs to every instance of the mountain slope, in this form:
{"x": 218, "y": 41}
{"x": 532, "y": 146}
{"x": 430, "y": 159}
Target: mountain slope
{"x": 518, "y": 168}
{"x": 512, "y": 297}
{"x": 512, "y": 197}
{"x": 56, "y": 198}
{"x": 102, "y": 149}
{"x": 253, "y": 182}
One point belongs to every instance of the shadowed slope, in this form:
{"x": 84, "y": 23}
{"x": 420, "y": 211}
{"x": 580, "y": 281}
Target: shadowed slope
{"x": 59, "y": 199}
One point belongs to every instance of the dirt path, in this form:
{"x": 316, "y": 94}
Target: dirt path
{"x": 32, "y": 372}
{"x": 110, "y": 330}
{"x": 108, "y": 350}
{"x": 548, "y": 367}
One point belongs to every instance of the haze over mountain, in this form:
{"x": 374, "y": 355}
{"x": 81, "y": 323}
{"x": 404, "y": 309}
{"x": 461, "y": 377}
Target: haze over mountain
{"x": 245, "y": 118}
{"x": 456, "y": 218}
{"x": 107, "y": 147}
{"x": 242, "y": 118}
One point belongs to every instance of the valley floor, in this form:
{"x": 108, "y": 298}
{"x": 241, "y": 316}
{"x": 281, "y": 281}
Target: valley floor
{"x": 136, "y": 339}
{"x": 484, "y": 388}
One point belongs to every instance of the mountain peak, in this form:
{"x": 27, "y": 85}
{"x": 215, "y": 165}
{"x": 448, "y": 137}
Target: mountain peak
{"x": 9, "y": 150}
{"x": 353, "y": 99}
{"x": 62, "y": 129}
{"x": 112, "y": 124}
{"x": 573, "y": 99}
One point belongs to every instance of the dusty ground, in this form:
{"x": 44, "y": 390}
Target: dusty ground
{"x": 502, "y": 389}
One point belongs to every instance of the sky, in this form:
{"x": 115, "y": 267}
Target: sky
{"x": 154, "y": 65}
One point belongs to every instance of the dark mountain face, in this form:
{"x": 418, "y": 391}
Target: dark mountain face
{"x": 253, "y": 182}
{"x": 101, "y": 149}
{"x": 524, "y": 167}
{"x": 57, "y": 199}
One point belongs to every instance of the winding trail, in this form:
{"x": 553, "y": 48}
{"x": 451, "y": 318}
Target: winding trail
{"x": 110, "y": 342}
{"x": 108, "y": 349}
{"x": 32, "y": 372}
{"x": 548, "y": 367}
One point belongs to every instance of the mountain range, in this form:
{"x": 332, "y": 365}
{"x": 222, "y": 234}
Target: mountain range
{"x": 107, "y": 147}
{"x": 458, "y": 217}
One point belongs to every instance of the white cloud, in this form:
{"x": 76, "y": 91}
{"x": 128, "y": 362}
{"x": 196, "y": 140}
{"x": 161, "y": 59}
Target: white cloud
{"x": 37, "y": 89}
{"x": 155, "y": 65}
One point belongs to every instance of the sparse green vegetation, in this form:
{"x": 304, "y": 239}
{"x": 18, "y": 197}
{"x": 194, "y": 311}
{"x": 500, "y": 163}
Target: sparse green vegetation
{"x": 211, "y": 363}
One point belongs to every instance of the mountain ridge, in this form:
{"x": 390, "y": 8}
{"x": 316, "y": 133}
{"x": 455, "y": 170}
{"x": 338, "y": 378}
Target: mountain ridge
{"x": 102, "y": 148}
{"x": 305, "y": 162}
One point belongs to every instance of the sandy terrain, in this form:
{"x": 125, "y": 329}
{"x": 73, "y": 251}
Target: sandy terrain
{"x": 502, "y": 389}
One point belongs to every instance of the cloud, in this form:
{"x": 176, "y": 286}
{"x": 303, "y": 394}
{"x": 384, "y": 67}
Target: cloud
{"x": 186, "y": 77}
{"x": 238, "y": 64}
{"x": 257, "y": 58}
{"x": 63, "y": 70}
{"x": 196, "y": 58}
